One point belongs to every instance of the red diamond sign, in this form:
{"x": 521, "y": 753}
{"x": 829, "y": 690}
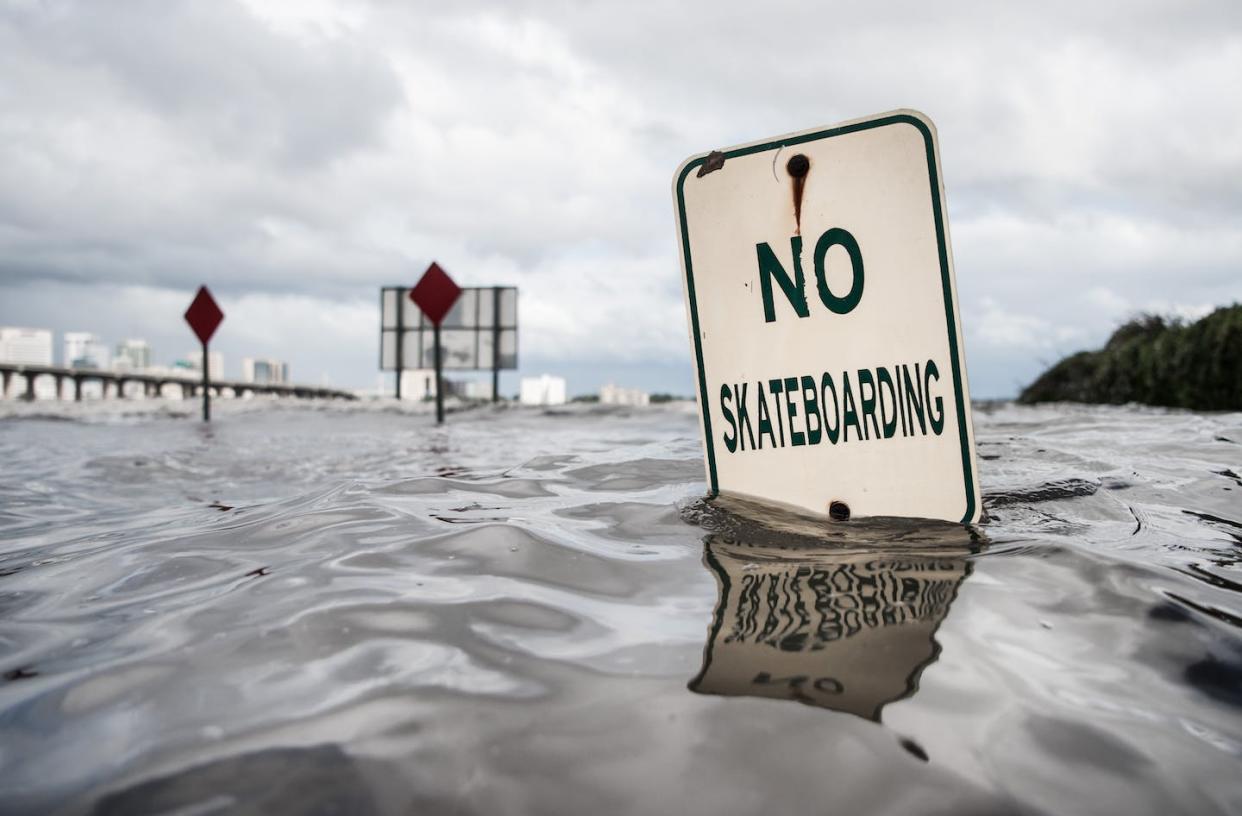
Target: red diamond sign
{"x": 435, "y": 293}
{"x": 204, "y": 315}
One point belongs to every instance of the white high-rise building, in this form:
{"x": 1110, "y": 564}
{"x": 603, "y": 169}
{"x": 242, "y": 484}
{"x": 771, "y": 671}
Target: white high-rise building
{"x": 28, "y": 347}
{"x": 215, "y": 363}
{"x": 264, "y": 372}
{"x": 25, "y": 346}
{"x": 85, "y": 350}
{"x": 132, "y": 355}
{"x": 544, "y": 390}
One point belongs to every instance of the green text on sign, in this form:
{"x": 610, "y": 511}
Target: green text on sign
{"x": 795, "y": 290}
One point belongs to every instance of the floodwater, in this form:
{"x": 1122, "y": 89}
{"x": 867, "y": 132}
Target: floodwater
{"x": 343, "y": 609}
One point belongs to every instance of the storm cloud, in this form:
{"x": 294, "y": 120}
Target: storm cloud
{"x": 297, "y": 155}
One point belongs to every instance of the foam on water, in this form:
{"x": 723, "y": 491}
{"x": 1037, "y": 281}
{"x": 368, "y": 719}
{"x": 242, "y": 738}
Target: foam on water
{"x": 315, "y": 608}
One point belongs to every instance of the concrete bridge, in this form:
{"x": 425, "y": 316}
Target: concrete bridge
{"x": 152, "y": 384}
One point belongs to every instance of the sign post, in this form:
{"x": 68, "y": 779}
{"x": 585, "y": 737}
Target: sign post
{"x": 823, "y": 316}
{"x": 435, "y": 294}
{"x": 439, "y": 379}
{"x": 399, "y": 349}
{"x": 206, "y": 386}
{"x": 204, "y": 317}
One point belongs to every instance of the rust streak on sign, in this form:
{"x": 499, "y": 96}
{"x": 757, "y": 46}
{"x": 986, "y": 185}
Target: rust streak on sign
{"x": 798, "y": 167}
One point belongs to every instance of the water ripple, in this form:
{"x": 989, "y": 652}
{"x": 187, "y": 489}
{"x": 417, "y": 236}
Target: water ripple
{"x": 347, "y": 608}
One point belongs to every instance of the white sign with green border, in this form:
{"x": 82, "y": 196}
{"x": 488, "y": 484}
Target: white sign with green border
{"x": 823, "y": 315}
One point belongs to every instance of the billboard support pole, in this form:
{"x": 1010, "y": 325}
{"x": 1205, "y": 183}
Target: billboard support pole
{"x": 495, "y": 344}
{"x": 400, "y": 340}
{"x": 439, "y": 380}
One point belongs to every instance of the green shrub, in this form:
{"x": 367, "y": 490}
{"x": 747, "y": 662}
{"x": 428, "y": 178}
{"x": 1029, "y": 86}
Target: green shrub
{"x": 1156, "y": 362}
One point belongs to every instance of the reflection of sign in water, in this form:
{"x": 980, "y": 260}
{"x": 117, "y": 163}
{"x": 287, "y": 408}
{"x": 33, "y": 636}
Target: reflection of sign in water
{"x": 844, "y": 630}
{"x": 478, "y": 333}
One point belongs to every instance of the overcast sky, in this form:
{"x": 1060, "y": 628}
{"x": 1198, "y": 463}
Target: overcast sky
{"x": 297, "y": 155}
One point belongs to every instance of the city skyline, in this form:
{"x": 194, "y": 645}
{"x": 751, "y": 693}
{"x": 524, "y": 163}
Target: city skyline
{"x": 36, "y": 345}
{"x": 86, "y": 350}
{"x": 588, "y": 382}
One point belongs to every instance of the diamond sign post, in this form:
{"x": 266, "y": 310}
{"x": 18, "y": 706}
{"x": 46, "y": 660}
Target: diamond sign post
{"x": 204, "y": 317}
{"x": 435, "y": 293}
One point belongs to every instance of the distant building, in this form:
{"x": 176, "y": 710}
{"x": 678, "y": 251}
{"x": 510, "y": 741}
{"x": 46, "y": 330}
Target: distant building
{"x": 132, "y": 355}
{"x": 215, "y": 363}
{"x": 544, "y": 390}
{"x": 612, "y": 395}
{"x": 86, "y": 350}
{"x": 264, "y": 372}
{"x": 474, "y": 389}
{"x": 28, "y": 347}
{"x": 418, "y": 384}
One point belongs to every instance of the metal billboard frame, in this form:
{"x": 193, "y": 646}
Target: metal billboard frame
{"x": 500, "y": 328}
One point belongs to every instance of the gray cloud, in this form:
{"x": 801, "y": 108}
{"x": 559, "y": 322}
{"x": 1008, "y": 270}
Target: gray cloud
{"x": 296, "y": 155}
{"x": 226, "y": 85}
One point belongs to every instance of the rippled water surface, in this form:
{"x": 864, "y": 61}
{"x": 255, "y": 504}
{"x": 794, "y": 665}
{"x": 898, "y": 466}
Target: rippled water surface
{"x": 319, "y": 609}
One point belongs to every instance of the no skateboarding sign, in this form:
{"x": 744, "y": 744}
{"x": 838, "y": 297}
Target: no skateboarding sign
{"x": 823, "y": 316}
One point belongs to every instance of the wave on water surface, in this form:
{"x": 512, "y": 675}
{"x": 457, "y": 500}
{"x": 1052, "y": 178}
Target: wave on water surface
{"x": 348, "y": 609}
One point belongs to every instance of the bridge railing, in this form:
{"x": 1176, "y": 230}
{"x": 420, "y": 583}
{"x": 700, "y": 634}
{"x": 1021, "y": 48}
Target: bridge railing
{"x": 153, "y": 384}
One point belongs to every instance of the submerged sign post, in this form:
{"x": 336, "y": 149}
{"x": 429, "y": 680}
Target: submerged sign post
{"x": 823, "y": 317}
{"x": 204, "y": 317}
{"x": 435, "y": 293}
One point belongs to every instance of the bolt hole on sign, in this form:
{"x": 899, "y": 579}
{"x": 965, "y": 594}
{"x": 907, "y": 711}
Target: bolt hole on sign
{"x": 823, "y": 318}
